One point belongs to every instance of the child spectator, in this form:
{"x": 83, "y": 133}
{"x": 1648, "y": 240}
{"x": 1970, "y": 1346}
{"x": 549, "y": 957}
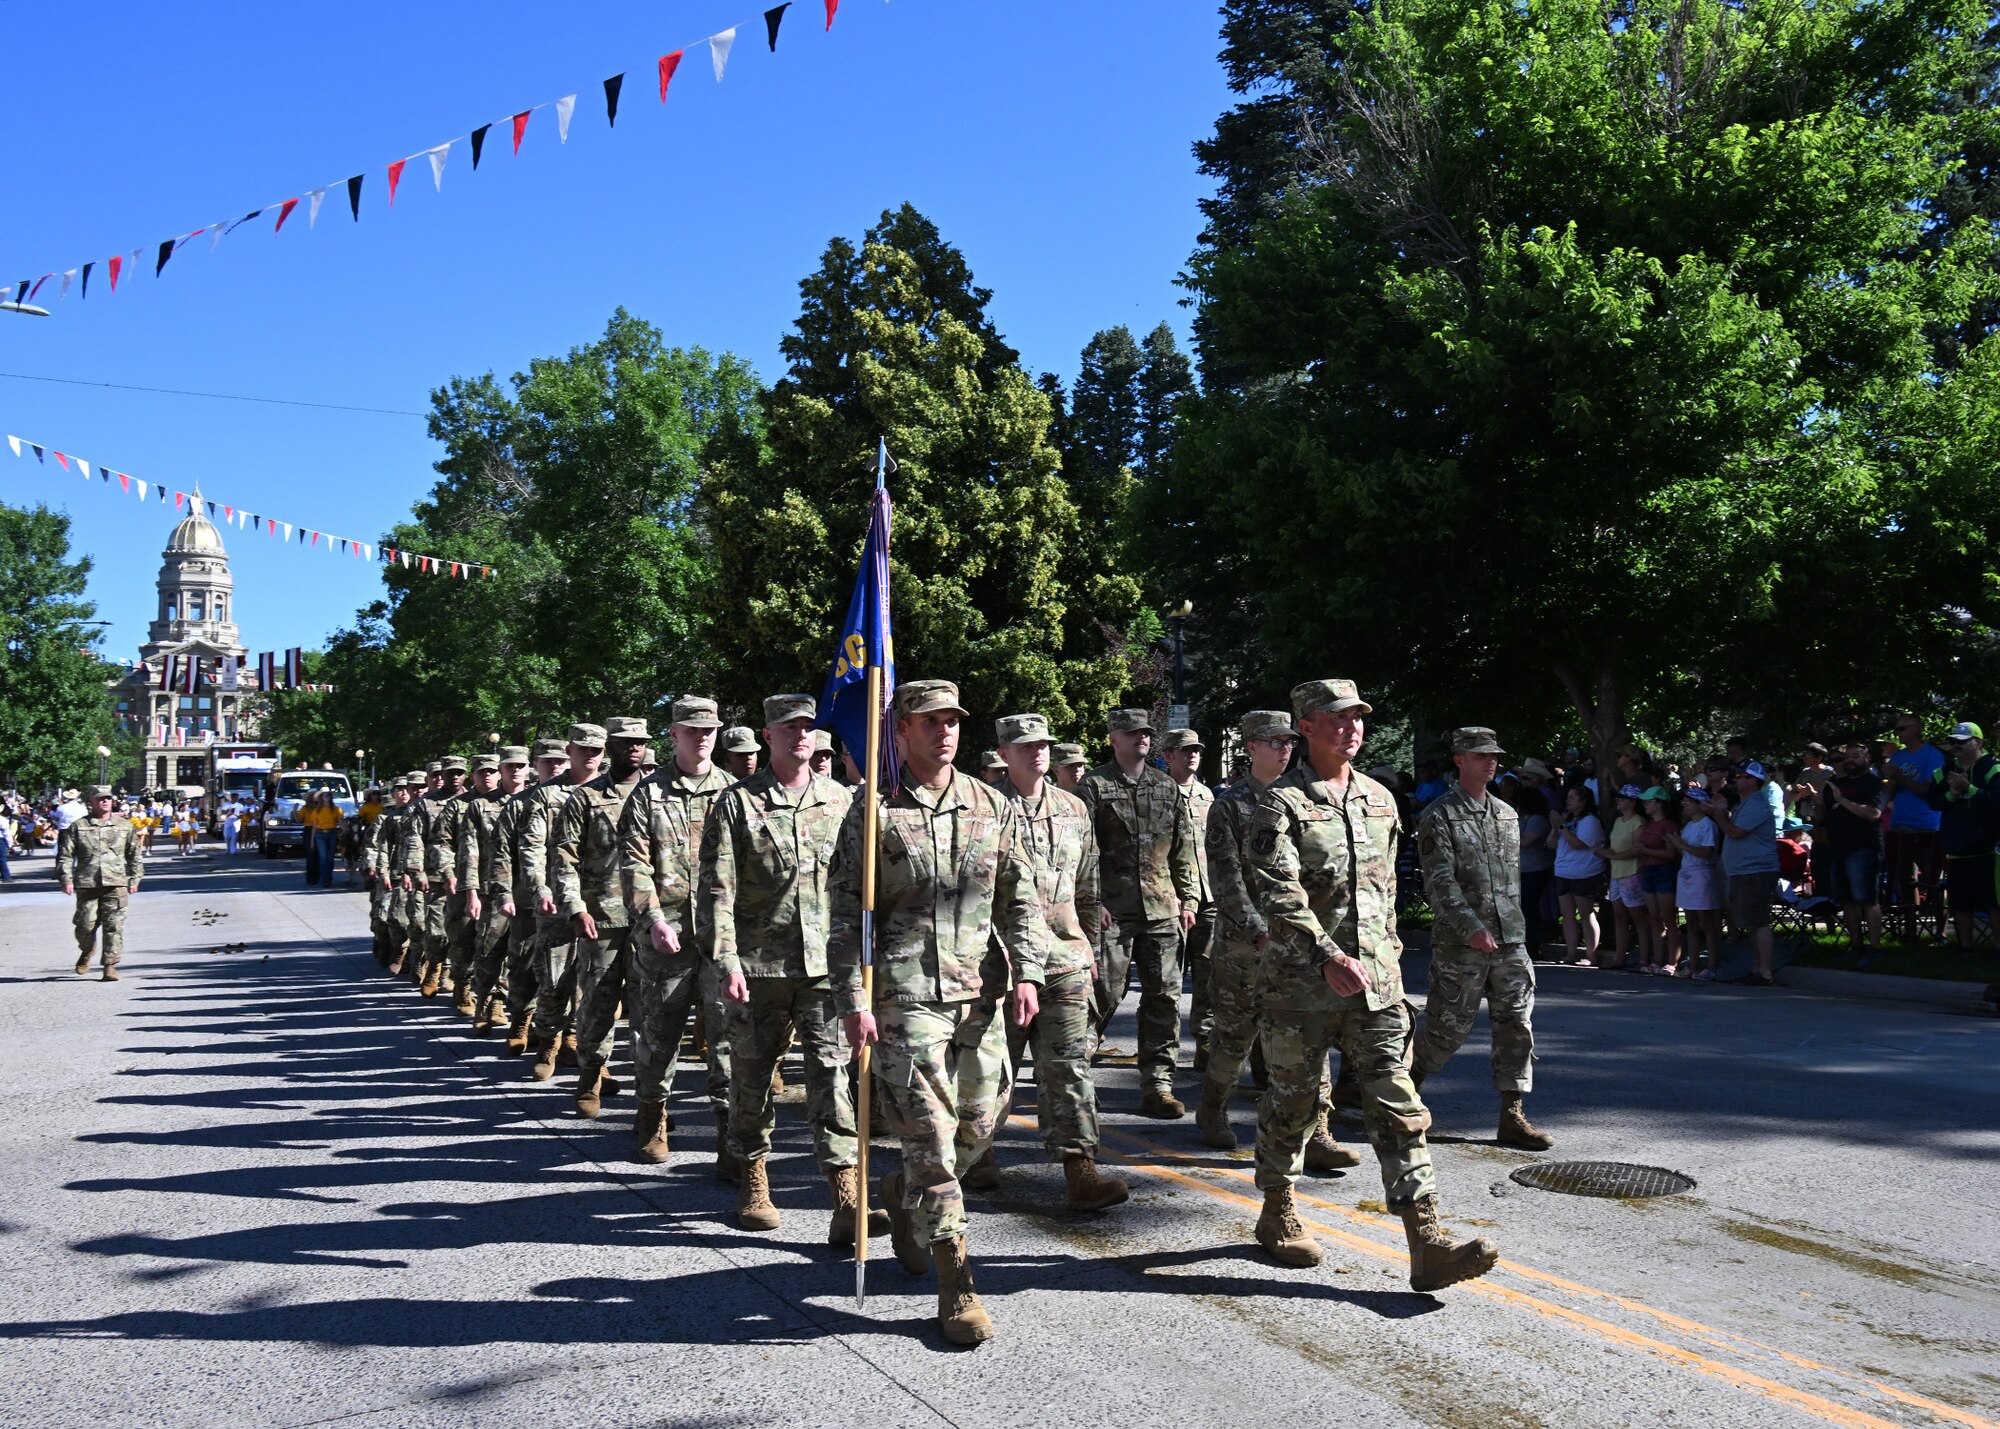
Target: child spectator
{"x": 1626, "y": 902}
{"x": 1697, "y": 888}
{"x": 1659, "y": 874}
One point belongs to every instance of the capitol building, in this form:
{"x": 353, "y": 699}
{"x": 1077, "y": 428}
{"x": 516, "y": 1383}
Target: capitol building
{"x": 194, "y": 620}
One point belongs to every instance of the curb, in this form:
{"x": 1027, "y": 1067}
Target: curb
{"x": 1873, "y": 987}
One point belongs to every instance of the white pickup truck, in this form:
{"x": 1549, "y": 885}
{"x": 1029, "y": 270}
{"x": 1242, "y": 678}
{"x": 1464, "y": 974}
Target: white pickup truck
{"x": 289, "y": 789}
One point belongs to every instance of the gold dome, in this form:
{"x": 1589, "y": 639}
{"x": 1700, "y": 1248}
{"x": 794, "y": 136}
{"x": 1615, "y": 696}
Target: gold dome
{"x": 196, "y": 533}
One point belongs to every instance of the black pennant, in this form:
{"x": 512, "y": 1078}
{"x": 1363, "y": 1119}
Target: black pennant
{"x": 86, "y": 279}
{"x": 478, "y": 143}
{"x": 38, "y": 455}
{"x": 241, "y": 221}
{"x": 21, "y": 293}
{"x": 354, "y": 197}
{"x": 166, "y": 252}
{"x": 772, "y": 19}
{"x": 611, "y": 88}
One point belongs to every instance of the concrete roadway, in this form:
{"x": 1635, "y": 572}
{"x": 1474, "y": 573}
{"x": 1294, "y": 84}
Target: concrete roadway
{"x": 273, "y": 1187}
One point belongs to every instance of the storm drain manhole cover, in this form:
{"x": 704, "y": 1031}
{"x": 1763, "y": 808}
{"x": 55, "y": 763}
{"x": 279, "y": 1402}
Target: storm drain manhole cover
{"x": 1618, "y": 1179}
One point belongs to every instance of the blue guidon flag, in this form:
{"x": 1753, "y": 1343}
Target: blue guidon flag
{"x": 866, "y": 640}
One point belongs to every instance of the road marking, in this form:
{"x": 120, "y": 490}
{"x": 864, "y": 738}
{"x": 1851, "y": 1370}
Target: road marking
{"x": 1803, "y": 1400}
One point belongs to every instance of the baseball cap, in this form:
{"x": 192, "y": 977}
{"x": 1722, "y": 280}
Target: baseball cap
{"x": 822, "y": 741}
{"x": 452, "y": 763}
{"x": 1656, "y": 792}
{"x": 991, "y": 760}
{"x": 1697, "y": 793}
{"x": 1751, "y": 769}
{"x": 1963, "y": 731}
{"x": 1631, "y": 791}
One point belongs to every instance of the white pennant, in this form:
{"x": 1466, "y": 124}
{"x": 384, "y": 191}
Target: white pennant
{"x": 68, "y": 276}
{"x": 140, "y": 487}
{"x": 14, "y": 442}
{"x": 288, "y": 529}
{"x": 82, "y": 466}
{"x": 437, "y": 164}
{"x": 565, "y": 107}
{"x": 312, "y": 214}
{"x": 718, "y": 50}
{"x": 215, "y": 237}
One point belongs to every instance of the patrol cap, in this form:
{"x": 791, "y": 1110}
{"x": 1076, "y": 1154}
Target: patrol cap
{"x": 1128, "y": 721}
{"x": 416, "y": 776}
{"x": 587, "y": 736}
{"x": 434, "y": 767}
{"x": 1022, "y": 729}
{"x": 485, "y": 761}
{"x": 697, "y": 713}
{"x": 822, "y": 741}
{"x": 1327, "y": 697}
{"x": 513, "y": 754}
{"x": 991, "y": 760}
{"x": 549, "y": 747}
{"x": 1070, "y": 754}
{"x": 626, "y": 727}
{"x": 915, "y": 697}
{"x": 1265, "y": 724}
{"x": 739, "y": 739}
{"x": 1179, "y": 739}
{"x": 1475, "y": 739}
{"x": 98, "y": 791}
{"x": 1963, "y": 731}
{"x": 452, "y": 762}
{"x": 779, "y": 708}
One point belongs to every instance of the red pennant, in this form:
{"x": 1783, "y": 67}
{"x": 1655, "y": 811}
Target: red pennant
{"x": 229, "y": 513}
{"x": 315, "y": 538}
{"x": 396, "y": 176}
{"x": 180, "y": 499}
{"x": 63, "y": 459}
{"x": 454, "y": 567}
{"x": 668, "y": 64}
{"x": 115, "y": 264}
{"x": 520, "y": 127}
{"x": 124, "y": 481}
{"x": 831, "y": 6}
{"x": 285, "y": 212}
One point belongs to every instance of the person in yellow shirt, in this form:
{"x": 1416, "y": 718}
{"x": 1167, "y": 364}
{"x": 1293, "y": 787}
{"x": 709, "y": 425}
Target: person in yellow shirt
{"x": 320, "y": 820}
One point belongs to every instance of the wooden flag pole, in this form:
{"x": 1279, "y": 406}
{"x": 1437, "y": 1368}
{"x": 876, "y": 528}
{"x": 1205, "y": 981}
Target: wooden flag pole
{"x": 869, "y": 814}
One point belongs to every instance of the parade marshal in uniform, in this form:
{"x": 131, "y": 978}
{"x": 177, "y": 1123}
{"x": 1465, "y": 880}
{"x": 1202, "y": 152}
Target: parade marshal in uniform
{"x": 1470, "y": 845}
{"x": 957, "y": 931}
{"x": 98, "y": 860}
{"x": 1321, "y": 863}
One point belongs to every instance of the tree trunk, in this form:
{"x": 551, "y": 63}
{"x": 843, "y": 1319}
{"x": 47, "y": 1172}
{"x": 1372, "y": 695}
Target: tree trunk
{"x": 1601, "y": 704}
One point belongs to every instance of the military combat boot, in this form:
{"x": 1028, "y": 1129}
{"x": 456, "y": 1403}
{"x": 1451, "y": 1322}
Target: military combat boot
{"x": 1283, "y": 1234}
{"x": 727, "y": 1167}
{"x": 983, "y": 1174}
{"x": 83, "y": 965}
{"x": 110, "y": 973}
{"x": 482, "y": 1019}
{"x": 902, "y": 1237}
{"x": 1435, "y": 1261}
{"x": 566, "y": 1053}
{"x": 461, "y": 1001}
{"x": 960, "y": 1315}
{"x": 845, "y": 1183}
{"x": 545, "y": 1058}
{"x": 433, "y": 976}
{"x": 1517, "y": 1130}
{"x": 1089, "y": 1189}
{"x": 517, "y": 1034}
{"x": 1324, "y": 1154}
{"x": 1161, "y": 1104}
{"x": 589, "y": 1098}
{"x": 394, "y": 966}
{"x": 754, "y": 1211}
{"x": 1211, "y": 1118}
{"x": 650, "y": 1128}
{"x": 777, "y": 1080}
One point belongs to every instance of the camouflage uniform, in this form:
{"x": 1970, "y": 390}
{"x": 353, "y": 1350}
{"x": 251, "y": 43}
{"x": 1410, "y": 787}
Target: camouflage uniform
{"x": 101, "y": 859}
{"x": 426, "y": 902}
{"x": 382, "y": 835}
{"x": 956, "y": 924}
{"x": 585, "y": 856}
{"x": 1198, "y": 945}
{"x": 1471, "y": 854}
{"x": 764, "y": 862}
{"x": 1062, "y": 849}
{"x": 406, "y": 915}
{"x": 661, "y": 833}
{"x": 555, "y": 940}
{"x": 1321, "y": 865}
{"x": 448, "y": 930}
{"x": 506, "y": 881}
{"x": 1148, "y": 875}
{"x": 1233, "y": 971}
{"x": 479, "y": 867}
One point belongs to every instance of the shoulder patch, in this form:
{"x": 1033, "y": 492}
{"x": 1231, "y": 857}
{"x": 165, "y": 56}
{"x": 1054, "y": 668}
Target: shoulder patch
{"x": 1264, "y": 842}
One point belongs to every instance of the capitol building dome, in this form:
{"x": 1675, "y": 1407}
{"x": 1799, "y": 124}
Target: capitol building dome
{"x": 195, "y": 533}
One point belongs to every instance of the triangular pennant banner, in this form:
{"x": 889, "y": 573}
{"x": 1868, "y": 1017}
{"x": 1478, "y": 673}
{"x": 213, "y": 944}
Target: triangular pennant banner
{"x": 215, "y": 232}
{"x": 84, "y": 467}
{"x": 38, "y": 455}
{"x": 243, "y": 220}
{"x": 38, "y": 285}
{"x": 354, "y": 196}
{"x": 668, "y": 64}
{"x": 312, "y": 211}
{"x": 831, "y": 6}
{"x": 61, "y": 460}
{"x": 395, "y": 177}
{"x": 84, "y": 292}
{"x": 124, "y": 481}
{"x": 285, "y": 212}
{"x": 438, "y": 156}
{"x": 115, "y": 265}
{"x": 69, "y": 276}
{"x": 478, "y": 144}
{"x": 166, "y": 252}
{"x": 774, "y": 17}
{"x": 520, "y": 127}
{"x": 14, "y": 442}
{"x": 611, "y": 88}
{"x": 565, "y": 107}
{"x": 718, "y": 50}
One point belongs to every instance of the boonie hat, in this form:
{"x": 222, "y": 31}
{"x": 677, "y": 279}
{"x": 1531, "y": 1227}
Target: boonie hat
{"x": 1475, "y": 739}
{"x": 697, "y": 713}
{"x": 739, "y": 739}
{"x": 1179, "y": 739}
{"x": 626, "y": 727}
{"x": 1126, "y": 721}
{"x": 1327, "y": 697}
{"x": 927, "y": 697}
{"x": 587, "y": 736}
{"x": 779, "y": 708}
{"x": 1023, "y": 729}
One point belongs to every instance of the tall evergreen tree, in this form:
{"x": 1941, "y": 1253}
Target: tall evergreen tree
{"x": 1165, "y": 377}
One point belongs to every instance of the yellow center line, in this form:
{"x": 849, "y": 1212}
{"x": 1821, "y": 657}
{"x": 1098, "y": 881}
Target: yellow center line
{"x": 1803, "y": 1400}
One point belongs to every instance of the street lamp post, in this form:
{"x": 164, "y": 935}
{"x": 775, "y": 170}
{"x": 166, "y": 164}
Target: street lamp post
{"x": 361, "y": 757}
{"x": 1178, "y": 615}
{"x": 103, "y": 765}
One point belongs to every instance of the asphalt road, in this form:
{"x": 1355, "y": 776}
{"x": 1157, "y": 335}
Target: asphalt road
{"x": 273, "y": 1187}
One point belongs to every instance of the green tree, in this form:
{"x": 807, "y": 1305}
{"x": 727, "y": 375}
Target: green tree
{"x": 1592, "y": 346}
{"x": 893, "y": 340}
{"x": 54, "y": 708}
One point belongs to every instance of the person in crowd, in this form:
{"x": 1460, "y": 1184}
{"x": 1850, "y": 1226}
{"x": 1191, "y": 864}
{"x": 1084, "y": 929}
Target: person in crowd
{"x": 9, "y": 825}
{"x": 1430, "y": 784}
{"x": 1848, "y": 841}
{"x": 1697, "y": 888}
{"x": 1626, "y": 903}
{"x": 1659, "y": 882}
{"x": 1750, "y": 864}
{"x": 187, "y": 824}
{"x": 1538, "y": 859}
{"x": 320, "y": 820}
{"x": 1967, "y": 799}
{"x": 1912, "y": 854}
{"x": 1582, "y": 873}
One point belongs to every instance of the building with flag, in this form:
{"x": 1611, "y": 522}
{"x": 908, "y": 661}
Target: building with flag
{"x": 189, "y": 687}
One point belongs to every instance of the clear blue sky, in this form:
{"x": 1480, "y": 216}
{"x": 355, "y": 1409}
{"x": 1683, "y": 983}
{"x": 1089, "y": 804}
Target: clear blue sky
{"x": 1049, "y": 141}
